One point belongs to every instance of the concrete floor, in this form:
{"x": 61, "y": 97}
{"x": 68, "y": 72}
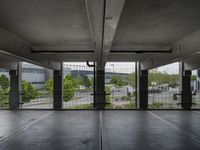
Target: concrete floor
{"x": 96, "y": 130}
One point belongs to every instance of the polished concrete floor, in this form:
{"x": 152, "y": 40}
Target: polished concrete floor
{"x": 96, "y": 130}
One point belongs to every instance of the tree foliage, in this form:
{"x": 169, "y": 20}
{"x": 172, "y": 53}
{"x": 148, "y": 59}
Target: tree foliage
{"x": 78, "y": 80}
{"x": 48, "y": 86}
{"x": 28, "y": 91}
{"x": 193, "y": 77}
{"x": 163, "y": 78}
{"x": 70, "y": 87}
{"x": 4, "y": 82}
{"x": 131, "y": 79}
{"x": 4, "y": 90}
{"x": 117, "y": 81}
{"x": 4, "y": 96}
{"x": 158, "y": 77}
{"x": 86, "y": 82}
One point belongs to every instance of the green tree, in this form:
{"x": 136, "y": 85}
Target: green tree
{"x": 131, "y": 79}
{"x": 108, "y": 97}
{"x": 78, "y": 81}
{"x": 163, "y": 78}
{"x": 92, "y": 81}
{"x": 49, "y": 87}
{"x": 86, "y": 82}
{"x": 193, "y": 77}
{"x": 117, "y": 81}
{"x": 4, "y": 96}
{"x": 28, "y": 92}
{"x": 70, "y": 87}
{"x": 4, "y": 82}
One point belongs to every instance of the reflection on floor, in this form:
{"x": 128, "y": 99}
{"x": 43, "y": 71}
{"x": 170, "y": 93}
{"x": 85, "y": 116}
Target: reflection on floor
{"x": 96, "y": 130}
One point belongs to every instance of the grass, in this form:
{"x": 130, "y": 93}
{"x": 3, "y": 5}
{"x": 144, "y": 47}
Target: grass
{"x": 86, "y": 90}
{"x": 156, "y": 105}
{"x": 4, "y": 101}
{"x": 130, "y": 105}
{"x": 162, "y": 105}
{"x": 81, "y": 106}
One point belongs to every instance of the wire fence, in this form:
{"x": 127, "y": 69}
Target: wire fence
{"x": 80, "y": 100}
{"x": 163, "y": 89}
{"x": 4, "y": 101}
{"x": 78, "y": 86}
{"x": 43, "y": 101}
{"x": 167, "y": 99}
{"x": 196, "y": 100}
{"x": 120, "y": 98}
{"x": 120, "y": 84}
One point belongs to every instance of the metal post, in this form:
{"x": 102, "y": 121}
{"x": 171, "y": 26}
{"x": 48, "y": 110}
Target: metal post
{"x": 185, "y": 87}
{"x": 58, "y": 88}
{"x": 136, "y": 85}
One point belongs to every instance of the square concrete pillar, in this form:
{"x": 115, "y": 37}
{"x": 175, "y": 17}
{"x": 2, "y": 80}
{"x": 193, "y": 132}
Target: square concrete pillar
{"x": 100, "y": 94}
{"x": 185, "y": 87}
{"x": 58, "y": 89}
{"x": 142, "y": 90}
{"x": 15, "y": 88}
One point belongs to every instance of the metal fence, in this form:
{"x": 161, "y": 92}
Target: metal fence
{"x": 196, "y": 100}
{"x": 81, "y": 77}
{"x": 166, "y": 99}
{"x": 80, "y": 100}
{"x": 4, "y": 88}
{"x": 120, "y": 98}
{"x": 44, "y": 101}
{"x": 120, "y": 85}
{"x": 4, "y": 101}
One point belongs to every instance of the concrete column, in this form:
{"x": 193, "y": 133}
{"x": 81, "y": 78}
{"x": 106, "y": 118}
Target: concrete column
{"x": 185, "y": 87}
{"x": 100, "y": 94}
{"x": 58, "y": 89}
{"x": 15, "y": 88}
{"x": 142, "y": 88}
{"x": 100, "y": 89}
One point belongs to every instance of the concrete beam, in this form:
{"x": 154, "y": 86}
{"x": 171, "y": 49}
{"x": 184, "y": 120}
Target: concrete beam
{"x": 192, "y": 62}
{"x": 70, "y": 57}
{"x": 8, "y": 62}
{"x": 14, "y": 46}
{"x": 95, "y": 12}
{"x": 182, "y": 49}
{"x": 126, "y": 57}
{"x": 112, "y": 15}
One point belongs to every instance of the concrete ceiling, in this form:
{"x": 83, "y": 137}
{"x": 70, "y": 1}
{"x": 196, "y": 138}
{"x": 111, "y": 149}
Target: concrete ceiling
{"x": 47, "y": 32}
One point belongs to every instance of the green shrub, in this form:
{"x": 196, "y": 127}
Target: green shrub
{"x": 28, "y": 91}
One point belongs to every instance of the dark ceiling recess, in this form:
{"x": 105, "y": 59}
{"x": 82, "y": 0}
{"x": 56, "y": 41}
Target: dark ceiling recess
{"x": 92, "y": 51}
{"x": 141, "y": 51}
{"x": 61, "y": 51}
